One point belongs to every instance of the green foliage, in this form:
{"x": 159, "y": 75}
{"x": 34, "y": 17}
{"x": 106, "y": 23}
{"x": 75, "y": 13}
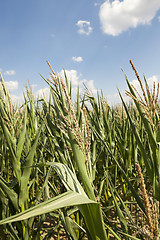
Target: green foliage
{"x": 75, "y": 165}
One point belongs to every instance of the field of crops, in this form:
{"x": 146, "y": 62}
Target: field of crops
{"x": 80, "y": 169}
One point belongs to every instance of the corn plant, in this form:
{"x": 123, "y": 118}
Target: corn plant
{"x": 18, "y": 152}
{"x": 82, "y": 164}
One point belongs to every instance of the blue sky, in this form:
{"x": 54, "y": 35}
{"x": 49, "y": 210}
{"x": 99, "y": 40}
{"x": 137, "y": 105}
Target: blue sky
{"x": 90, "y": 39}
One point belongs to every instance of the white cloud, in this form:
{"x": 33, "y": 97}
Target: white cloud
{"x": 18, "y": 99}
{"x": 77, "y": 80}
{"x": 72, "y": 76}
{"x": 91, "y": 87}
{"x": 114, "y": 99}
{"x": 11, "y": 85}
{"x": 159, "y": 18}
{"x": 77, "y": 59}
{"x": 150, "y": 82}
{"x": 10, "y": 72}
{"x": 118, "y": 16}
{"x": 84, "y": 27}
{"x": 43, "y": 93}
{"x": 1, "y": 70}
{"x": 136, "y": 84}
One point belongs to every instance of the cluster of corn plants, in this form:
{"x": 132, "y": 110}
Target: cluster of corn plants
{"x": 91, "y": 169}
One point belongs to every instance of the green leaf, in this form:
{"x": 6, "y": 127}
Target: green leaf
{"x": 130, "y": 237}
{"x": 140, "y": 203}
{"x": 27, "y": 171}
{"x": 114, "y": 234}
{"x": 80, "y": 161}
{"x": 94, "y": 221}
{"x": 66, "y": 199}
{"x": 139, "y": 142}
{"x": 67, "y": 177}
{"x": 21, "y": 140}
{"x": 144, "y": 119}
{"x": 11, "y": 194}
{"x": 11, "y": 141}
{"x": 91, "y": 212}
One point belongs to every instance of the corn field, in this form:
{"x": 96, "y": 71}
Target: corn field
{"x": 80, "y": 169}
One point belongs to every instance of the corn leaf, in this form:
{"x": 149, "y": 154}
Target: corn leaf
{"x": 27, "y": 170}
{"x": 66, "y": 199}
{"x": 11, "y": 194}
